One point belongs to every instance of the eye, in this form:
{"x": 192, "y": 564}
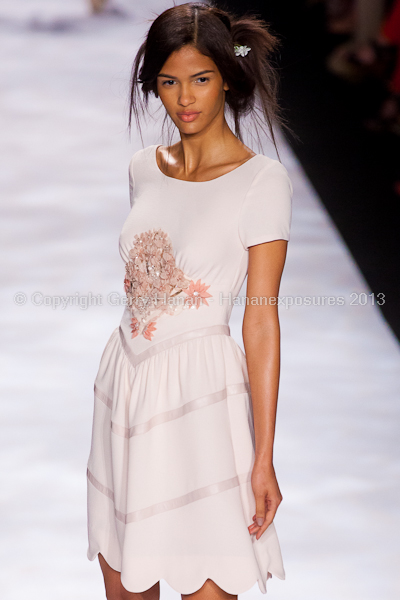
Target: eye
{"x": 168, "y": 81}
{"x": 203, "y": 79}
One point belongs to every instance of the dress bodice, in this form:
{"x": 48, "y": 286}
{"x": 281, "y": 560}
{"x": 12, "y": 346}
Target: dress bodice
{"x": 185, "y": 244}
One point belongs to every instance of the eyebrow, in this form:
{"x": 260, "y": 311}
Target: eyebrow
{"x": 195, "y": 75}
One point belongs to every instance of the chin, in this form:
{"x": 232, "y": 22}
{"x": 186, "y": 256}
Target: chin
{"x": 188, "y": 127}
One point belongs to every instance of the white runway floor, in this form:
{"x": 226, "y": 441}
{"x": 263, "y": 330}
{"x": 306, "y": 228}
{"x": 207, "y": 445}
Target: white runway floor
{"x": 64, "y": 157}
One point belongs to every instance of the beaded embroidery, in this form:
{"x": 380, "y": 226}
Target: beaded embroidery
{"x": 154, "y": 285}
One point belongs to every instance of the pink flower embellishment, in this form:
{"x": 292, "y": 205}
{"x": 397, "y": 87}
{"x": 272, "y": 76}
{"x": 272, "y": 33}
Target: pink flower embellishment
{"x": 155, "y": 285}
{"x": 134, "y": 327}
{"x": 197, "y": 293}
{"x": 127, "y": 285}
{"x": 149, "y": 329}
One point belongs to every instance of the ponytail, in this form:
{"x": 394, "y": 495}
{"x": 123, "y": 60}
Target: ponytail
{"x": 257, "y": 91}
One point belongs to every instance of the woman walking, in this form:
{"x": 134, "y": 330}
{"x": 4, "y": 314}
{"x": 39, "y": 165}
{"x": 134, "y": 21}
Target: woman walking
{"x": 181, "y": 482}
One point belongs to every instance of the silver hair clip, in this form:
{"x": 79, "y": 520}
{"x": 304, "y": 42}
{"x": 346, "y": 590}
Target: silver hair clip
{"x": 241, "y": 50}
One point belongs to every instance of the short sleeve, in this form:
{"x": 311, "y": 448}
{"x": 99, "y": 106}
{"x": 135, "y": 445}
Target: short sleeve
{"x": 266, "y": 212}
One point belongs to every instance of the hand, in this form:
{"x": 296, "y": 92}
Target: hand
{"x": 267, "y": 496}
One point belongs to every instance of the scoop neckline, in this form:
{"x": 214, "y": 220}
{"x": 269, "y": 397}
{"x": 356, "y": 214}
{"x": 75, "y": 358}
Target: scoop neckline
{"x": 155, "y": 147}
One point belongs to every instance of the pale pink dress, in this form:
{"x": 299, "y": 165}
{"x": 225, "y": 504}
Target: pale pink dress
{"x": 169, "y": 492}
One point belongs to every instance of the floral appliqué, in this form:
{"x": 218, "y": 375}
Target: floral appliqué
{"x": 154, "y": 285}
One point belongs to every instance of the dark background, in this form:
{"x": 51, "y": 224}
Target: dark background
{"x": 352, "y": 169}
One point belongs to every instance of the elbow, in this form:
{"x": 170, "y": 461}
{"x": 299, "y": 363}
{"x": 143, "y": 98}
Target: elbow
{"x": 259, "y": 332}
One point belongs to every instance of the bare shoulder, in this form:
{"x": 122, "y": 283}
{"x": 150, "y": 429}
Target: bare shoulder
{"x": 248, "y": 152}
{"x": 168, "y": 154}
{"x": 238, "y": 154}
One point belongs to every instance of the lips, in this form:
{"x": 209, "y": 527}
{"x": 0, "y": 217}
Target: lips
{"x": 187, "y": 117}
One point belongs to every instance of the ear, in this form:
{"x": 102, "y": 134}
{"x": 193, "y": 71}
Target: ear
{"x": 226, "y": 87}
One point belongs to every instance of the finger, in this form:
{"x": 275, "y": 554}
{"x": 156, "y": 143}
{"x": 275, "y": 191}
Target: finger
{"x": 260, "y": 509}
{"x": 268, "y": 520}
{"x": 253, "y": 524}
{"x": 262, "y": 529}
{"x": 253, "y": 527}
{"x": 270, "y": 510}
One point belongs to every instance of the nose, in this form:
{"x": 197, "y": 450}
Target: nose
{"x": 186, "y": 97}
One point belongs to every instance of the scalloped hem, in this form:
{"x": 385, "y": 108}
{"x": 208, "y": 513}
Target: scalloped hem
{"x": 173, "y": 439}
{"x": 186, "y": 588}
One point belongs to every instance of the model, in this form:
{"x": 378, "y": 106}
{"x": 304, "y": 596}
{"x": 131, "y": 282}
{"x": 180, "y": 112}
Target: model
{"x": 181, "y": 482}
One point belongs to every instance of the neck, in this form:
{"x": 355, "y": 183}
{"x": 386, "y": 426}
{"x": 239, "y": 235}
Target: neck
{"x": 206, "y": 147}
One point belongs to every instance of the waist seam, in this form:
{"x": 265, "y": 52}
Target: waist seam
{"x": 135, "y": 359}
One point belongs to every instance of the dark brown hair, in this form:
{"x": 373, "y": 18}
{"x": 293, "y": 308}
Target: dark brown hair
{"x": 252, "y": 80}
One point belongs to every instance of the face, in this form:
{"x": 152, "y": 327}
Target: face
{"x": 191, "y": 89}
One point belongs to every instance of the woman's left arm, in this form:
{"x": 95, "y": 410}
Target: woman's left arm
{"x": 261, "y": 339}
